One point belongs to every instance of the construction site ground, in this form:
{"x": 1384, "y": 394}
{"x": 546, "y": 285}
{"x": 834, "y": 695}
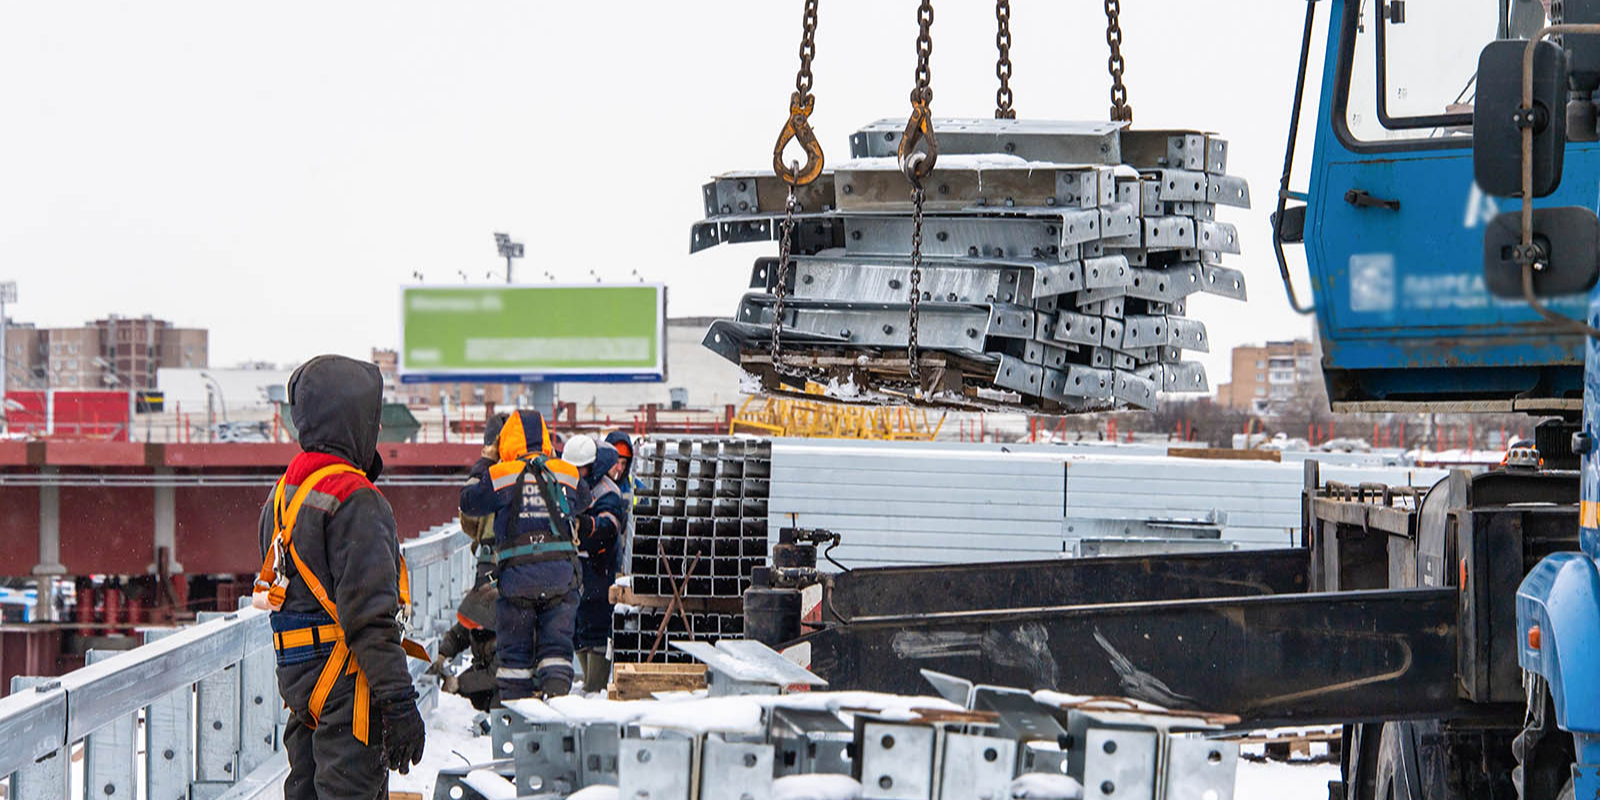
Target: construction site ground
{"x": 452, "y": 744}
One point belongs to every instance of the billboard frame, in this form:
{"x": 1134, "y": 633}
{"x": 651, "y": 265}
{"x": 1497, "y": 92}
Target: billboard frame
{"x": 574, "y": 375}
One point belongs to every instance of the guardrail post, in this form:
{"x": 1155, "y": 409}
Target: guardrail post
{"x": 216, "y": 724}
{"x": 167, "y": 753}
{"x": 48, "y": 779}
{"x": 259, "y": 704}
{"x": 439, "y": 580}
{"x": 108, "y": 753}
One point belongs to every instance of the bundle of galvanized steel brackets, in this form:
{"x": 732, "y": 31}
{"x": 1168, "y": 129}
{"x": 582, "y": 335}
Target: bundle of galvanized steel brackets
{"x": 971, "y": 742}
{"x": 1057, "y": 262}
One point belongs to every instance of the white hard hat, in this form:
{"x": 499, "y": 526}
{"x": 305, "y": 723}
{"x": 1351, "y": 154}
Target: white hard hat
{"x": 579, "y": 451}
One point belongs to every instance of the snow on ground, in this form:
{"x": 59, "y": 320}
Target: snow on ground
{"x": 450, "y": 732}
{"x": 1278, "y": 781}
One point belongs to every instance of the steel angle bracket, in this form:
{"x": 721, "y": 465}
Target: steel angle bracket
{"x": 812, "y": 231}
{"x": 1181, "y": 185}
{"x": 1090, "y": 382}
{"x": 1076, "y": 328}
{"x": 743, "y": 193}
{"x": 1182, "y": 376}
{"x": 959, "y": 237}
{"x": 728, "y": 338}
{"x": 1223, "y": 281}
{"x": 1140, "y": 331}
{"x": 1016, "y": 375}
{"x": 1188, "y": 334}
{"x": 1216, "y": 155}
{"x": 1217, "y": 237}
{"x": 822, "y": 278}
{"x": 1168, "y": 233}
{"x": 1106, "y": 272}
{"x": 1079, "y": 226}
{"x": 1134, "y": 389}
{"x": 942, "y": 326}
{"x": 1060, "y": 142}
{"x": 1164, "y": 285}
{"x": 1227, "y": 190}
{"x": 1119, "y": 219}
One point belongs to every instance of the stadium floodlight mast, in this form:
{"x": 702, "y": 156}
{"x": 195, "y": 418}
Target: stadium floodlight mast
{"x": 508, "y": 250}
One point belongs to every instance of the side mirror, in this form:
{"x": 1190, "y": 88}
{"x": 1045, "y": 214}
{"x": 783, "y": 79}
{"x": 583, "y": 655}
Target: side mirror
{"x": 1498, "y": 118}
{"x": 1567, "y": 239}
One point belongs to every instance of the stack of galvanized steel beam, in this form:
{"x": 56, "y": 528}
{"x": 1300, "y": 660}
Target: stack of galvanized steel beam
{"x": 700, "y": 521}
{"x": 1057, "y": 262}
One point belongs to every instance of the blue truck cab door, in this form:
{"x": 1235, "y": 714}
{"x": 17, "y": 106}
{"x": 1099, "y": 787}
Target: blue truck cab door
{"x": 1394, "y": 222}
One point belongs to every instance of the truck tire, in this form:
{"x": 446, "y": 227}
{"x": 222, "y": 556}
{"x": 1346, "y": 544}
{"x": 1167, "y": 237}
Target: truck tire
{"x": 1413, "y": 756}
{"x": 1389, "y": 782}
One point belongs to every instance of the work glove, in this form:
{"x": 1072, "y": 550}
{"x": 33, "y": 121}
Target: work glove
{"x": 403, "y": 733}
{"x": 439, "y": 667}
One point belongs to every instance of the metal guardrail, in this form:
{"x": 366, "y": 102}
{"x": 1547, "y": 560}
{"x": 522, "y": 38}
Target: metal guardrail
{"x": 206, "y": 695}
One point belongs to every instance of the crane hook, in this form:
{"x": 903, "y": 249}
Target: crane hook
{"x": 798, "y": 128}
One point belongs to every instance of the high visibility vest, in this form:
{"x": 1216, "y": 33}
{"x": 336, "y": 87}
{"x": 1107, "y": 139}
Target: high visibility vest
{"x": 272, "y": 587}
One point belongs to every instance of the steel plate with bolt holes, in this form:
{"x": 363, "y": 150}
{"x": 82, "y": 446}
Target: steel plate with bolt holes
{"x": 547, "y": 758}
{"x": 654, "y": 769}
{"x": 896, "y": 760}
{"x": 1119, "y": 764}
{"x": 1201, "y": 769}
{"x": 1062, "y": 142}
{"x": 979, "y": 767}
{"x": 597, "y": 747}
{"x": 735, "y": 770}
{"x": 964, "y": 237}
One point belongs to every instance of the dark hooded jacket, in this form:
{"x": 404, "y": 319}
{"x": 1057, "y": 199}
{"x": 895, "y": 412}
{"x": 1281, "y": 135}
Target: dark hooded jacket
{"x": 600, "y": 529}
{"x": 345, "y": 532}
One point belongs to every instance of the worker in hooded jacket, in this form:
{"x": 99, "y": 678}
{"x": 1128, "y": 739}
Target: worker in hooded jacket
{"x": 536, "y": 557}
{"x": 338, "y": 590}
{"x": 600, "y": 528}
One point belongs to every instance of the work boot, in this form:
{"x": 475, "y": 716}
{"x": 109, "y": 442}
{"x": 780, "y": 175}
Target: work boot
{"x": 596, "y": 670}
{"x": 556, "y": 687}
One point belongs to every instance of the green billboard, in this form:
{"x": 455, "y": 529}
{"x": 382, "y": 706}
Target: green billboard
{"x": 533, "y": 333}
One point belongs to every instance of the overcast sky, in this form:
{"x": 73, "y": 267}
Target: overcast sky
{"x": 274, "y": 172}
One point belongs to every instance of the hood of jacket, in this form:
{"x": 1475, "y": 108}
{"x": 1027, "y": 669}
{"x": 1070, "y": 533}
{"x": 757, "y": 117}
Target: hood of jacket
{"x": 336, "y": 403}
{"x": 624, "y": 446}
{"x": 605, "y": 457}
{"x": 523, "y": 433}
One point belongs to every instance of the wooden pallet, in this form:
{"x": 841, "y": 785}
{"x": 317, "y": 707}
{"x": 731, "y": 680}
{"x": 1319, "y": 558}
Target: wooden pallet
{"x": 641, "y": 681}
{"x": 1288, "y": 746}
{"x": 693, "y": 605}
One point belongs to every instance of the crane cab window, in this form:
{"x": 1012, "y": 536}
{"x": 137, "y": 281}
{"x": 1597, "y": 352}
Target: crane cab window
{"x": 1410, "y": 66}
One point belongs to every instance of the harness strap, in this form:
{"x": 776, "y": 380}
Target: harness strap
{"x": 341, "y": 660}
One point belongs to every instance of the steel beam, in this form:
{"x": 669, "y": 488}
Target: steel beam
{"x": 1275, "y": 659}
{"x": 1056, "y": 582}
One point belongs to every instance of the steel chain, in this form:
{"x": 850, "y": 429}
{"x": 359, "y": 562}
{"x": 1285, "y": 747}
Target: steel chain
{"x": 916, "y": 166}
{"x": 1002, "y": 67}
{"x": 797, "y": 127}
{"x": 800, "y": 105}
{"x": 780, "y": 289}
{"x": 808, "y": 49}
{"x": 923, "y": 93}
{"x": 1120, "y": 110}
{"x": 916, "y": 283}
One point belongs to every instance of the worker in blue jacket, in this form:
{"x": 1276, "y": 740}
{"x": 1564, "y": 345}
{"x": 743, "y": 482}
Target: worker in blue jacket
{"x": 533, "y": 497}
{"x": 600, "y": 528}
{"x": 622, "y": 476}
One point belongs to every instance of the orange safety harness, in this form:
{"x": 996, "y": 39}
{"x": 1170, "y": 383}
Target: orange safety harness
{"x": 272, "y": 587}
